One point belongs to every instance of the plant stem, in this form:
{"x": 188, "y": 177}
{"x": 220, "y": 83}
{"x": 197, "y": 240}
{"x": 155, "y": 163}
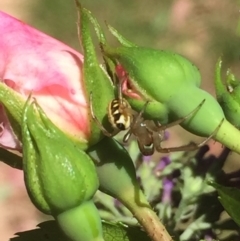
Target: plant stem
{"x": 229, "y": 136}
{"x": 142, "y": 211}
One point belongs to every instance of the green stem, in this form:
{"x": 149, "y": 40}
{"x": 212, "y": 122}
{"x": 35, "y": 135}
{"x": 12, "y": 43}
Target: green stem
{"x": 229, "y": 136}
{"x": 145, "y": 215}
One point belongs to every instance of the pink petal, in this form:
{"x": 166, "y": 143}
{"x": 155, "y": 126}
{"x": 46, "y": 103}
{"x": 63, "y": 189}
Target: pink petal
{"x": 32, "y": 62}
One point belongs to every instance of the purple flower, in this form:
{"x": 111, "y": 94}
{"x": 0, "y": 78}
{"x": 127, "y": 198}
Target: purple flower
{"x": 164, "y": 161}
{"x": 168, "y": 185}
{"x": 147, "y": 159}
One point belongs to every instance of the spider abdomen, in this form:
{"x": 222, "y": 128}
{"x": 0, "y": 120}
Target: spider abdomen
{"x": 119, "y": 114}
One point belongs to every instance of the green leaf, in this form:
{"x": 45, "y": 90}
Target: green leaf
{"x": 46, "y": 231}
{"x": 49, "y": 231}
{"x": 230, "y": 199}
{"x": 120, "y": 232}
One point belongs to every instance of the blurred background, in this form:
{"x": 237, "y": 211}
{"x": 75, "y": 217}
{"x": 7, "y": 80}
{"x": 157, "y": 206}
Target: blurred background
{"x": 200, "y": 30}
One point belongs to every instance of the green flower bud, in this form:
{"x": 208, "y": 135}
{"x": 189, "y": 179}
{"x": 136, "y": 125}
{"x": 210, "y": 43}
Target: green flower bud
{"x": 171, "y": 85}
{"x": 139, "y": 62}
{"x": 60, "y": 178}
{"x": 172, "y": 81}
{"x": 228, "y": 96}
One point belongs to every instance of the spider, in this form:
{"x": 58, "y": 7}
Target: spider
{"x": 149, "y": 134}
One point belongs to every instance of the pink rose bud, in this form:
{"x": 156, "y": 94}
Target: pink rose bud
{"x": 55, "y": 75}
{"x": 32, "y": 62}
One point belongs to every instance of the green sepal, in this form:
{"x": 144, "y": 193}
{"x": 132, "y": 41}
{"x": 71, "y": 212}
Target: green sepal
{"x": 13, "y": 104}
{"x": 228, "y": 99}
{"x": 97, "y": 82}
{"x": 231, "y": 79}
{"x": 57, "y": 173}
{"x": 110, "y": 67}
{"x": 122, "y": 40}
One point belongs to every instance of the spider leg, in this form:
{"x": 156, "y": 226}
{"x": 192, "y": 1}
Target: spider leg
{"x": 135, "y": 125}
{"x": 191, "y": 146}
{"x": 139, "y": 115}
{"x": 179, "y": 121}
{"x": 98, "y": 123}
{"x": 127, "y": 136}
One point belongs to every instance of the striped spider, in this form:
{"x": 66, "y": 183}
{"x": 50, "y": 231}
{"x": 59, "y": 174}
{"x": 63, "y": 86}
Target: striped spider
{"x": 149, "y": 134}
